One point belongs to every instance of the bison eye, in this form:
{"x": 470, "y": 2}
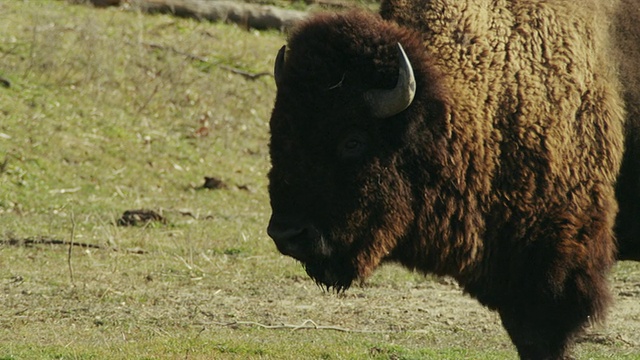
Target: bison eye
{"x": 353, "y": 146}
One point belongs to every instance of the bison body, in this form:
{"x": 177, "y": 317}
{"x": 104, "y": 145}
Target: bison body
{"x": 485, "y": 147}
{"x": 627, "y": 35}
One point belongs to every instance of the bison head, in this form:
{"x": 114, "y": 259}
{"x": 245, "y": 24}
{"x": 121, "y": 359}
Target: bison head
{"x": 341, "y": 134}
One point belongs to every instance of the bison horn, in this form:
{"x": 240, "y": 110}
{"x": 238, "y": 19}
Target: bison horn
{"x": 385, "y": 103}
{"x": 278, "y": 68}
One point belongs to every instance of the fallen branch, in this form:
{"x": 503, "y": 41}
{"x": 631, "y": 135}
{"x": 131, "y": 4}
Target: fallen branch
{"x": 71, "y": 242}
{"x": 245, "y": 74}
{"x": 605, "y": 339}
{"x": 43, "y": 241}
{"x": 250, "y": 15}
{"x": 174, "y": 50}
{"x": 3, "y": 166}
{"x": 337, "y": 4}
{"x": 306, "y": 325}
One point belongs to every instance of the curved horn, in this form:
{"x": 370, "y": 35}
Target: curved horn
{"x": 385, "y": 103}
{"x": 278, "y": 68}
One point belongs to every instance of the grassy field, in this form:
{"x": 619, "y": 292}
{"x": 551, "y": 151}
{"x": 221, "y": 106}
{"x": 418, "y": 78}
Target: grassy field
{"x": 104, "y": 111}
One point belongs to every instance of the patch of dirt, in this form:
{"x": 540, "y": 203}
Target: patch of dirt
{"x": 435, "y": 309}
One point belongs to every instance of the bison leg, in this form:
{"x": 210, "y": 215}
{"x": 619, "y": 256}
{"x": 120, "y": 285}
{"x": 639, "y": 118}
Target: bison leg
{"x": 628, "y": 194}
{"x": 533, "y": 340}
{"x": 544, "y": 320}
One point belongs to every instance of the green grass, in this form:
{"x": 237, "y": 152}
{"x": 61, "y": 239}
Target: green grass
{"x": 98, "y": 121}
{"x": 111, "y": 110}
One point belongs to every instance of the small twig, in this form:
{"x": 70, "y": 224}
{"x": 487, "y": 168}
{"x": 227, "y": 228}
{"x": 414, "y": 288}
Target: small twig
{"x": 245, "y": 74}
{"x": 19, "y": 242}
{"x": 22, "y": 242}
{"x": 187, "y": 354}
{"x": 149, "y": 98}
{"x": 306, "y": 325}
{"x": 73, "y": 235}
{"x": 20, "y": 312}
{"x": 172, "y": 49}
{"x": 3, "y": 166}
{"x": 626, "y": 341}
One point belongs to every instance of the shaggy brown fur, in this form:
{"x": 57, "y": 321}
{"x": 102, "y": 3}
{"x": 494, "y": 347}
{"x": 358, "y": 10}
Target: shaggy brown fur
{"x": 628, "y": 187}
{"x": 500, "y": 174}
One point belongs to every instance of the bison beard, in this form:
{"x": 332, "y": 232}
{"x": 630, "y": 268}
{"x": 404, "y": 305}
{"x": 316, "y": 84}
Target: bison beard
{"x": 479, "y": 140}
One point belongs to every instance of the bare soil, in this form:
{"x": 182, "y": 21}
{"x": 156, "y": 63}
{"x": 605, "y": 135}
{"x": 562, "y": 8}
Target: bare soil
{"x": 395, "y": 302}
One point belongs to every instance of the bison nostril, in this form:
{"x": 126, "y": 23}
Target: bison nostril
{"x": 297, "y": 239}
{"x": 283, "y": 231}
{"x": 288, "y": 236}
{"x": 283, "y": 234}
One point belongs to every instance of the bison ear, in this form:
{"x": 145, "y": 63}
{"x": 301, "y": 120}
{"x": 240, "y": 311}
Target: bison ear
{"x": 279, "y": 66}
{"x": 385, "y": 103}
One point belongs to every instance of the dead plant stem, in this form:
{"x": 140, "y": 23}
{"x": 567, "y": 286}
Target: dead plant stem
{"x": 69, "y": 251}
{"x": 306, "y": 325}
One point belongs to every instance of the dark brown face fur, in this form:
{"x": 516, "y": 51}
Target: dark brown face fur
{"x": 339, "y": 187}
{"x": 341, "y": 192}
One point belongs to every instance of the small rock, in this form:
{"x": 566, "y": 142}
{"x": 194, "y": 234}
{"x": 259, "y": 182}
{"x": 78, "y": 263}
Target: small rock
{"x": 213, "y": 183}
{"x": 140, "y": 217}
{"x": 105, "y": 3}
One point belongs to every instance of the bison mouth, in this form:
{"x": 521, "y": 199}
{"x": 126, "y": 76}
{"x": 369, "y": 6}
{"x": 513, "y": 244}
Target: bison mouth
{"x": 324, "y": 261}
{"x": 331, "y": 274}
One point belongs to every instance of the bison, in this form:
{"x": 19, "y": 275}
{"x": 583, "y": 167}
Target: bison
{"x": 479, "y": 139}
